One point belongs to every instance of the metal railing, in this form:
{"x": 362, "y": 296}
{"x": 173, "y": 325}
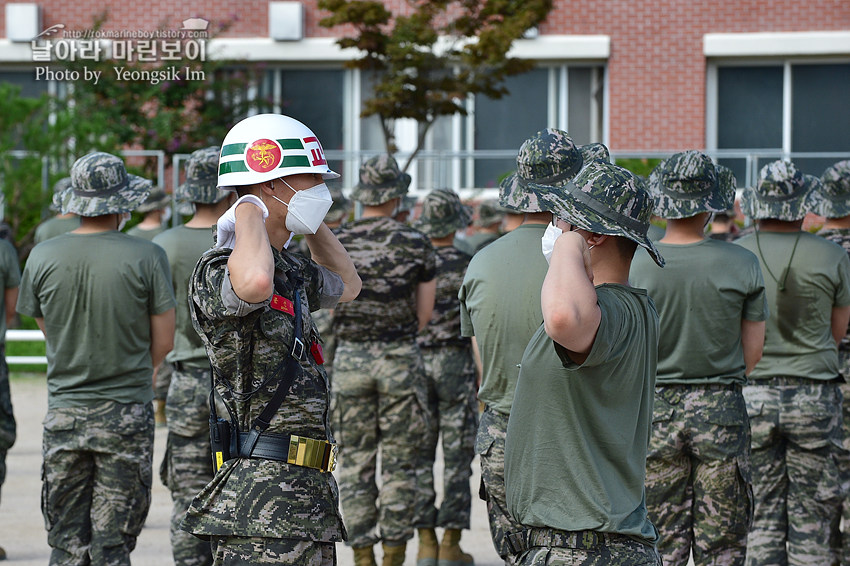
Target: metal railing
{"x": 25, "y": 336}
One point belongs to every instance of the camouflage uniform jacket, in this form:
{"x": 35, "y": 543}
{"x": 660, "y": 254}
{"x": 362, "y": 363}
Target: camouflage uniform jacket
{"x": 248, "y": 345}
{"x": 444, "y": 328}
{"x": 391, "y": 260}
{"x": 842, "y": 238}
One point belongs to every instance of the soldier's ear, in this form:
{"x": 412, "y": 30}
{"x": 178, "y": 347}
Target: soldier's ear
{"x": 596, "y": 239}
{"x": 268, "y": 187}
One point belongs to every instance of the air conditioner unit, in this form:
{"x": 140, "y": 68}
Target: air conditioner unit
{"x": 286, "y": 21}
{"x": 23, "y": 21}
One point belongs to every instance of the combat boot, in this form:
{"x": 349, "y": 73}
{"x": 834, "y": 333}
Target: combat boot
{"x": 427, "y": 555}
{"x": 159, "y": 412}
{"x": 449, "y": 553}
{"x": 363, "y": 556}
{"x": 2, "y": 553}
{"x": 394, "y": 554}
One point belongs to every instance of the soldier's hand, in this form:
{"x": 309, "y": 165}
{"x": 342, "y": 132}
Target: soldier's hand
{"x": 226, "y": 225}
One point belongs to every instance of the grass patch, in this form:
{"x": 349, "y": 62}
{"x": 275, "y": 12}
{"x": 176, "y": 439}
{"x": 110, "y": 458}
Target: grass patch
{"x": 26, "y": 349}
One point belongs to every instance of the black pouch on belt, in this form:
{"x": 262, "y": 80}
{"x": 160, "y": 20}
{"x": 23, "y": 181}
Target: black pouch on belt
{"x": 222, "y": 441}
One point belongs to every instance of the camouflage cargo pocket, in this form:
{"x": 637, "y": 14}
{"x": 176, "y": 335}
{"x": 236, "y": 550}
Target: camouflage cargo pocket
{"x": 662, "y": 411}
{"x": 829, "y": 483}
{"x": 8, "y": 428}
{"x": 746, "y": 476}
{"x": 138, "y": 500}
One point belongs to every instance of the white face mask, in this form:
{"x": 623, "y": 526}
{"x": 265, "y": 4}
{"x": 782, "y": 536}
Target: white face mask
{"x": 547, "y": 242}
{"x": 123, "y": 221}
{"x": 307, "y": 208}
{"x": 166, "y": 215}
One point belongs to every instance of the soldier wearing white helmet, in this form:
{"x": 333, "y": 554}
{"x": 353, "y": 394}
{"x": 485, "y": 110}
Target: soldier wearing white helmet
{"x": 186, "y": 466}
{"x": 273, "y": 497}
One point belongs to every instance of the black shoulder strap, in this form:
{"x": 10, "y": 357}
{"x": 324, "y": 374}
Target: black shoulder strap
{"x": 291, "y": 369}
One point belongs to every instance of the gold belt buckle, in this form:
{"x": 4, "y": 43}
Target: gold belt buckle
{"x": 332, "y": 458}
{"x": 310, "y": 453}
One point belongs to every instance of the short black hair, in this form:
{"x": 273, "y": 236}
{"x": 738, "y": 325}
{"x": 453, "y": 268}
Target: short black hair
{"x": 626, "y": 247}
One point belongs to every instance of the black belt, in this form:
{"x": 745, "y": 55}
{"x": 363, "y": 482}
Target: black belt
{"x": 794, "y": 380}
{"x": 292, "y": 449}
{"x": 702, "y": 386}
{"x": 585, "y": 540}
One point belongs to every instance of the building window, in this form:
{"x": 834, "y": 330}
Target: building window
{"x": 311, "y": 96}
{"x": 794, "y": 109}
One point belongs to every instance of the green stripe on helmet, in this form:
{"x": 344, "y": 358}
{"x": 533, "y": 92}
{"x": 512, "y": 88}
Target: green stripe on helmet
{"x": 233, "y": 149}
{"x": 232, "y": 167}
{"x": 290, "y": 143}
{"x": 294, "y": 161}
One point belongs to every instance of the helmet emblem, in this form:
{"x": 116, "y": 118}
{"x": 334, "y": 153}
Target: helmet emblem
{"x": 263, "y": 155}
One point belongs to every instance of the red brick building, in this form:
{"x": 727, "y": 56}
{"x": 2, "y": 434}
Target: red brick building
{"x": 769, "y": 77}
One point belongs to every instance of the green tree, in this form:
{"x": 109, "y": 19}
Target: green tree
{"x": 177, "y": 106}
{"x": 426, "y": 61}
{"x": 34, "y": 134}
{"x": 177, "y": 114}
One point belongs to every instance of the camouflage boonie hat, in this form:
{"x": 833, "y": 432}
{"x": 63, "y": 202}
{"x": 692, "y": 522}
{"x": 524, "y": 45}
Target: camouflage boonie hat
{"x": 782, "y": 193}
{"x": 548, "y": 159}
{"x": 593, "y": 151}
{"x": 728, "y": 185}
{"x": 58, "y": 188}
{"x": 442, "y": 214}
{"x": 380, "y": 181}
{"x": 157, "y": 197}
{"x": 340, "y": 207}
{"x": 185, "y": 208}
{"x": 100, "y": 185}
{"x": 202, "y": 178}
{"x": 686, "y": 185}
{"x": 834, "y": 195}
{"x": 604, "y": 199}
{"x": 489, "y": 212}
{"x": 407, "y": 204}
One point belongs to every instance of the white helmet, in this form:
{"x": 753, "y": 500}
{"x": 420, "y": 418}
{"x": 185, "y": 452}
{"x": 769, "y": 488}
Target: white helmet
{"x": 269, "y": 146}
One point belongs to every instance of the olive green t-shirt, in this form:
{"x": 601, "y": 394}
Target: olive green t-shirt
{"x": 703, "y": 292}
{"x": 148, "y": 235}
{"x": 10, "y": 277}
{"x": 184, "y": 246}
{"x": 575, "y": 452}
{"x": 96, "y": 293}
{"x": 500, "y": 306}
{"x": 55, "y": 226}
{"x": 798, "y": 338}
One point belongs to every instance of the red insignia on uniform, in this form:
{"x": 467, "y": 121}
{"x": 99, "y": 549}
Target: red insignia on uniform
{"x": 282, "y": 304}
{"x": 318, "y": 353}
{"x": 263, "y": 155}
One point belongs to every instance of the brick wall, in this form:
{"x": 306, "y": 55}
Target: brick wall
{"x": 656, "y": 68}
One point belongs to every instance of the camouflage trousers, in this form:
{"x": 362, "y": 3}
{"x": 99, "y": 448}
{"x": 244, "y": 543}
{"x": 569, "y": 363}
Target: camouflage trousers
{"x": 186, "y": 469}
{"x": 844, "y": 464}
{"x": 8, "y": 429}
{"x": 698, "y": 480}
{"x": 585, "y": 548}
{"x": 796, "y": 444}
{"x": 323, "y": 319}
{"x": 453, "y": 413}
{"x": 163, "y": 381}
{"x": 490, "y": 446}
{"x": 236, "y": 551}
{"x": 96, "y": 481}
{"x": 379, "y": 392}
{"x": 187, "y": 465}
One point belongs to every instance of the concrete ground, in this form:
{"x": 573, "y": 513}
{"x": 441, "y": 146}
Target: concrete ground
{"x": 22, "y": 531}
